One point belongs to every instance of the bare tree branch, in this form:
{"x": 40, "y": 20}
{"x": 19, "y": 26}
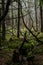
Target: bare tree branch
{"x": 30, "y": 30}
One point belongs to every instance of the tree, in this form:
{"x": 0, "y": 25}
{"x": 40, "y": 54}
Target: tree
{"x": 0, "y": 29}
{"x": 30, "y": 30}
{"x": 41, "y": 14}
{"x": 3, "y": 22}
{"x": 18, "y": 28}
{"x": 36, "y": 15}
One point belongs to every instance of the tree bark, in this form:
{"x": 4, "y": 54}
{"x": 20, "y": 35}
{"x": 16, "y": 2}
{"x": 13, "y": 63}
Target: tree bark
{"x": 3, "y": 22}
{"x": 0, "y": 29}
{"x": 18, "y": 28}
{"x": 36, "y": 15}
{"x": 41, "y": 14}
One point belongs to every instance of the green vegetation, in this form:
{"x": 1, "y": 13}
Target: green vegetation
{"x": 21, "y": 32}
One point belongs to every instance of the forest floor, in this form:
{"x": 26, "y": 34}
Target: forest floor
{"x": 7, "y": 52}
{"x": 6, "y": 56}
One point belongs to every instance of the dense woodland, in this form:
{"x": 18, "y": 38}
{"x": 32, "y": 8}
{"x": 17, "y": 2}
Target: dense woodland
{"x": 21, "y": 32}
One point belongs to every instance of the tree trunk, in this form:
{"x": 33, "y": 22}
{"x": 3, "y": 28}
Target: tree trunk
{"x": 3, "y": 22}
{"x": 18, "y": 28}
{"x": 41, "y": 14}
{"x": 0, "y": 29}
{"x": 12, "y": 19}
{"x": 36, "y": 15}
